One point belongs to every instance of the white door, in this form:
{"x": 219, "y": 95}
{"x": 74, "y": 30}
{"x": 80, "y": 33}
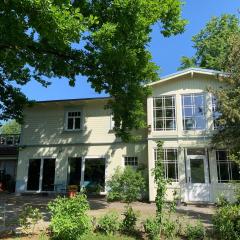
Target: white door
{"x": 197, "y": 179}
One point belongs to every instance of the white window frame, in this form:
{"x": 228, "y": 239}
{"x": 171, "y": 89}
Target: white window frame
{"x": 193, "y": 106}
{"x": 167, "y": 161}
{"x": 164, "y": 119}
{"x": 225, "y": 162}
{"x": 133, "y": 159}
{"x": 74, "y": 118}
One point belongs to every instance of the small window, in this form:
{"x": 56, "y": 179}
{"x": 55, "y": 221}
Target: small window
{"x": 170, "y": 163}
{"x": 131, "y": 161}
{"x": 73, "y": 120}
{"x": 227, "y": 169}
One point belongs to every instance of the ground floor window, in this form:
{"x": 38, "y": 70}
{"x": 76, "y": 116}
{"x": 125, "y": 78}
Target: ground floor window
{"x": 131, "y": 161}
{"x": 41, "y": 174}
{"x": 227, "y": 170}
{"x": 94, "y": 175}
{"x": 170, "y": 163}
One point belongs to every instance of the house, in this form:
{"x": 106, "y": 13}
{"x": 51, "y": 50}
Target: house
{"x": 67, "y": 142}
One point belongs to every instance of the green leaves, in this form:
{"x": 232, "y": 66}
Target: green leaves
{"x": 37, "y": 39}
{"x": 211, "y": 43}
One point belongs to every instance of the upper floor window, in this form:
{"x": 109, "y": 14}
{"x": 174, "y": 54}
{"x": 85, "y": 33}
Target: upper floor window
{"x": 73, "y": 121}
{"x": 164, "y": 113}
{"x": 193, "y": 107}
{"x": 170, "y": 163}
{"x": 215, "y": 113}
{"x": 227, "y": 170}
{"x": 131, "y": 161}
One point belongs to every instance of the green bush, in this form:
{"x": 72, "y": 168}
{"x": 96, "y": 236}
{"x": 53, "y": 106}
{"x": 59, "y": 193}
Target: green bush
{"x": 195, "y": 232}
{"x": 109, "y": 223}
{"x": 169, "y": 228}
{"x": 127, "y": 185}
{"x": 129, "y": 220}
{"x": 29, "y": 217}
{"x": 151, "y": 228}
{"x": 221, "y": 201}
{"x": 227, "y": 222}
{"x": 69, "y": 219}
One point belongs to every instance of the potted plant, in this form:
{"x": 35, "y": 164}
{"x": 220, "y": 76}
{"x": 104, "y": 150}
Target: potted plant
{"x": 72, "y": 190}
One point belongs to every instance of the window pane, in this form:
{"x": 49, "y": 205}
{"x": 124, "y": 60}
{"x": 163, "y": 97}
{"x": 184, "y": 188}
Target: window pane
{"x": 188, "y": 112}
{"x": 170, "y": 124}
{"x": 197, "y": 171}
{"x": 222, "y": 155}
{"x": 199, "y": 111}
{"x": 171, "y": 171}
{"x": 187, "y": 100}
{"x": 159, "y": 124}
{"x": 158, "y": 113}
{"x": 235, "y": 171}
{"x": 200, "y": 123}
{"x": 223, "y": 173}
{"x": 189, "y": 124}
{"x": 170, "y": 113}
{"x": 158, "y": 102}
{"x": 77, "y": 123}
{"x": 198, "y": 99}
{"x": 70, "y": 123}
{"x": 168, "y": 101}
{"x": 196, "y": 151}
{"x": 171, "y": 154}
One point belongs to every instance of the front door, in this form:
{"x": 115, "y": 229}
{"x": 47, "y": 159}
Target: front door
{"x": 197, "y": 178}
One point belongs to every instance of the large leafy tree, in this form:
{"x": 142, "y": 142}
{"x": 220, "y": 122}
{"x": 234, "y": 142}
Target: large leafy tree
{"x": 39, "y": 39}
{"x": 211, "y": 43}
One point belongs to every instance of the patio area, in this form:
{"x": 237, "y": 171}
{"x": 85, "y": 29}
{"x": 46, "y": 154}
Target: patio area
{"x": 11, "y": 205}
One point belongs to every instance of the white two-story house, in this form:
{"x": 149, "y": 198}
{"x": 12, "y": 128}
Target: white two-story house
{"x": 66, "y": 142}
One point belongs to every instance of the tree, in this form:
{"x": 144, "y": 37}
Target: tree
{"x": 218, "y": 47}
{"x": 229, "y": 100}
{"x": 211, "y": 43}
{"x": 39, "y": 39}
{"x": 11, "y": 127}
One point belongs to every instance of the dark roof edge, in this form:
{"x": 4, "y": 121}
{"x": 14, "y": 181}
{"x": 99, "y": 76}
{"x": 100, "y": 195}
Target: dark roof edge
{"x": 71, "y": 100}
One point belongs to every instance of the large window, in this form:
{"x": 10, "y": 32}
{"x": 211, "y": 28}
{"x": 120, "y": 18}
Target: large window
{"x": 170, "y": 163}
{"x": 215, "y": 113}
{"x": 164, "y": 113}
{"x": 193, "y": 106}
{"x": 73, "y": 121}
{"x": 227, "y": 170}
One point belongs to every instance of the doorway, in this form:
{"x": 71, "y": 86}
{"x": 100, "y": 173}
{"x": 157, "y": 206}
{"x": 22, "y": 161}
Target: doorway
{"x": 41, "y": 174}
{"x": 197, "y": 174}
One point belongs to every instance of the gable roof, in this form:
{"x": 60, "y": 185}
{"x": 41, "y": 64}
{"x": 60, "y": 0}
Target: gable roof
{"x": 191, "y": 71}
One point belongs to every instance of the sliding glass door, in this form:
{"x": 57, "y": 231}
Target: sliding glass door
{"x": 41, "y": 174}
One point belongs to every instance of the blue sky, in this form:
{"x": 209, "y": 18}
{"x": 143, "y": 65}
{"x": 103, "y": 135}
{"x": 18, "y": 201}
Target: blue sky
{"x": 166, "y": 51}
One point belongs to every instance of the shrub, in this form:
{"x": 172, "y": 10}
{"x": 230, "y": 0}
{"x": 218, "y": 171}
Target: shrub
{"x": 195, "y": 232}
{"x": 29, "y": 217}
{"x": 169, "y": 228}
{"x": 151, "y": 228}
{"x": 227, "y": 222}
{"x": 69, "y": 219}
{"x": 109, "y": 223}
{"x": 221, "y": 201}
{"x": 127, "y": 185}
{"x": 129, "y": 220}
